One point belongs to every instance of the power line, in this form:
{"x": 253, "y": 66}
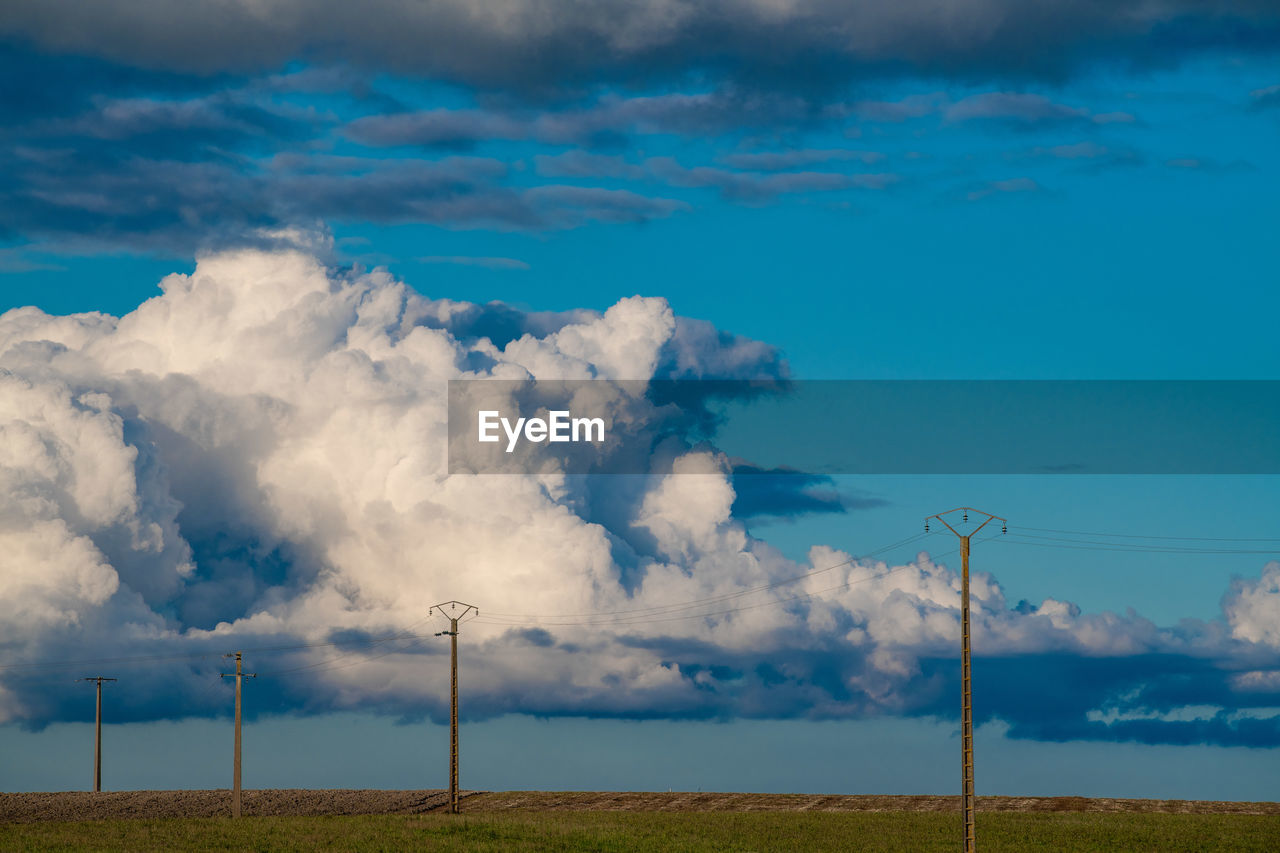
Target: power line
{"x": 92, "y": 661}
{"x": 403, "y": 635}
{"x": 662, "y": 618}
{"x": 663, "y": 610}
{"x": 198, "y": 655}
{"x": 679, "y": 611}
{"x": 349, "y": 664}
{"x": 1142, "y": 536}
{"x": 1122, "y": 547}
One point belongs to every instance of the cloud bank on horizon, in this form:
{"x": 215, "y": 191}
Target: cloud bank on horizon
{"x": 256, "y": 458}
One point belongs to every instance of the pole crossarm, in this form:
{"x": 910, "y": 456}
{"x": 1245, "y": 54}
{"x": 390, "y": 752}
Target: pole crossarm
{"x": 1004, "y": 522}
{"x": 452, "y": 610}
{"x": 237, "y": 673}
{"x": 968, "y": 798}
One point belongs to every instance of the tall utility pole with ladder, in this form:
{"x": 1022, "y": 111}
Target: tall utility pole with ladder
{"x": 966, "y": 681}
{"x": 97, "y": 733}
{"x": 450, "y": 610}
{"x": 238, "y": 675}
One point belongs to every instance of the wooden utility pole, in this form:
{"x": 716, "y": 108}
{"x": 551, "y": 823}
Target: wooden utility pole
{"x": 97, "y": 733}
{"x": 238, "y": 675}
{"x": 451, "y": 612}
{"x": 966, "y": 681}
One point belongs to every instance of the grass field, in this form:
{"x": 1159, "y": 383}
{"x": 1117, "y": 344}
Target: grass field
{"x": 659, "y": 832}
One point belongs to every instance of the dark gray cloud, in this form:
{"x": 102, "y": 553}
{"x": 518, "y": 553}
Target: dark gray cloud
{"x": 443, "y": 128}
{"x": 755, "y": 178}
{"x": 1004, "y": 110}
{"x": 38, "y": 86}
{"x": 785, "y": 493}
{"x": 147, "y": 126}
{"x": 528, "y": 45}
{"x": 221, "y": 119}
{"x": 1139, "y": 698}
{"x": 776, "y": 161}
{"x": 910, "y": 107}
{"x": 586, "y": 164}
{"x": 603, "y": 123}
{"x": 151, "y": 161}
{"x": 759, "y": 187}
{"x": 568, "y": 206}
{"x": 491, "y": 263}
{"x": 1087, "y": 156}
{"x": 1026, "y": 110}
{"x": 175, "y": 206}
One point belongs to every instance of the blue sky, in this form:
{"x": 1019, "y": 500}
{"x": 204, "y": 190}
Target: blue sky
{"x": 867, "y": 194}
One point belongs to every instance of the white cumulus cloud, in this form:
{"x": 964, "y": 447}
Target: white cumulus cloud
{"x": 257, "y": 456}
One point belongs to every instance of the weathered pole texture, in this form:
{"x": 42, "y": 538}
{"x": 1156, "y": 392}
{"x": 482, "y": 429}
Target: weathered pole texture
{"x": 239, "y": 675}
{"x": 966, "y": 700}
{"x": 97, "y": 733}
{"x": 453, "y": 717}
{"x": 966, "y": 674}
{"x": 455, "y": 610}
{"x": 97, "y": 742}
{"x": 235, "y": 773}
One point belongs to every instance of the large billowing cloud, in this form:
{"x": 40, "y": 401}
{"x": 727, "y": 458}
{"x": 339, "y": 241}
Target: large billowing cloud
{"x": 527, "y": 44}
{"x": 255, "y": 459}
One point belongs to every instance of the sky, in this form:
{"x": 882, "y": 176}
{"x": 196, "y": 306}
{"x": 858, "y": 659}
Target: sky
{"x": 243, "y": 248}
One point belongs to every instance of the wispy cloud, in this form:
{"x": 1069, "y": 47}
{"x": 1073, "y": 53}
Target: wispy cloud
{"x": 586, "y": 164}
{"x": 1268, "y": 96}
{"x": 605, "y": 122}
{"x": 777, "y": 161}
{"x": 475, "y": 261}
{"x": 1027, "y": 110}
{"x": 1207, "y": 164}
{"x": 1002, "y": 187}
{"x": 756, "y": 186}
{"x": 1087, "y": 156}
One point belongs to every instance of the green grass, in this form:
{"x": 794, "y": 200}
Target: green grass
{"x": 659, "y": 832}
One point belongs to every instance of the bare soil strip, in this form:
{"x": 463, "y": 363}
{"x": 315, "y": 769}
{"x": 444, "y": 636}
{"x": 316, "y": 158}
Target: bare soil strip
{"x": 81, "y": 805}
{"x": 708, "y": 802}
{"x": 78, "y": 805}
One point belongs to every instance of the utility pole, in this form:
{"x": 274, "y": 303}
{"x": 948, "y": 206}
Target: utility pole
{"x": 453, "y": 614}
{"x": 238, "y": 675}
{"x": 97, "y": 733}
{"x": 966, "y": 682}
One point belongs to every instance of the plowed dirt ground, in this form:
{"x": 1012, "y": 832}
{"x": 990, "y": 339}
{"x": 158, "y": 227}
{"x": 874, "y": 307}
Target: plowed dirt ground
{"x": 77, "y": 805}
